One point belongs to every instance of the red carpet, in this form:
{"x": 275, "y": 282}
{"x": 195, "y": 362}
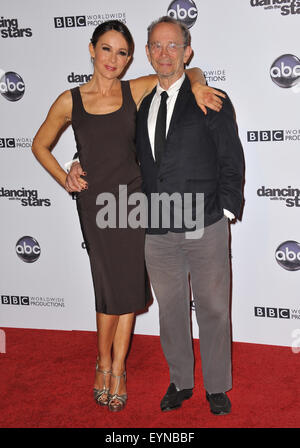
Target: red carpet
{"x": 46, "y": 380}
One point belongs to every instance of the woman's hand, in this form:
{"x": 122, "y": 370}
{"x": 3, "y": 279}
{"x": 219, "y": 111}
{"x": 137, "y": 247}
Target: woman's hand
{"x": 207, "y": 97}
{"x": 74, "y": 181}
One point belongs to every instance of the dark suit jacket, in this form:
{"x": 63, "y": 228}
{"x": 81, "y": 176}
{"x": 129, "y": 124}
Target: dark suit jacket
{"x": 203, "y": 154}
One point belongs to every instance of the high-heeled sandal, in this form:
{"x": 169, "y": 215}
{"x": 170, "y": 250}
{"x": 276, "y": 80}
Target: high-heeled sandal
{"x": 100, "y": 393}
{"x": 117, "y": 402}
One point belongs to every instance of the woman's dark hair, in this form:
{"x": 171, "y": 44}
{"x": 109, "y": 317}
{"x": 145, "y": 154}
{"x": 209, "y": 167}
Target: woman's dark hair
{"x": 115, "y": 25}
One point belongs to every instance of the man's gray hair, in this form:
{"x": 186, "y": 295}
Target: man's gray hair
{"x": 167, "y": 19}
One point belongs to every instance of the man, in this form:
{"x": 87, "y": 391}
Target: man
{"x": 201, "y": 153}
{"x": 181, "y": 150}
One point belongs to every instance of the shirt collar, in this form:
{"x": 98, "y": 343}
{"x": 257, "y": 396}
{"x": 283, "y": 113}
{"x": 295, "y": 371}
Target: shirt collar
{"x": 173, "y": 88}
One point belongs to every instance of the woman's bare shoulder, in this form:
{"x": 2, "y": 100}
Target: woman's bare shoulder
{"x": 141, "y": 87}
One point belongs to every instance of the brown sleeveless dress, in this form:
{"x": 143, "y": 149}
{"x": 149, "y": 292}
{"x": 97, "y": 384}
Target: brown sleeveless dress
{"x": 106, "y": 151}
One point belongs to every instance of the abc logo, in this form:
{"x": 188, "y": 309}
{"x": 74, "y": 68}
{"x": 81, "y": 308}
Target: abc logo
{"x": 183, "y": 10}
{"x": 285, "y": 71}
{"x": 12, "y": 86}
{"x": 288, "y": 255}
{"x": 28, "y": 249}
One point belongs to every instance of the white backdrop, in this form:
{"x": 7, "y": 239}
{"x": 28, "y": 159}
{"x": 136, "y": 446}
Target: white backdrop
{"x": 249, "y": 49}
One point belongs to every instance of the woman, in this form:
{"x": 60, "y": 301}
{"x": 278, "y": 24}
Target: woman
{"x": 102, "y": 113}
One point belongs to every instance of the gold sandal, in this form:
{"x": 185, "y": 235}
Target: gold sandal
{"x": 100, "y": 393}
{"x": 121, "y": 399}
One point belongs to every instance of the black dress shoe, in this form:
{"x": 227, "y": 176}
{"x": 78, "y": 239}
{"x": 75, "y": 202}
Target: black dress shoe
{"x": 219, "y": 403}
{"x": 174, "y": 398}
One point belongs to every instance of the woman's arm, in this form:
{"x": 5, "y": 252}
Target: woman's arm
{"x": 58, "y": 116}
{"x": 205, "y": 96}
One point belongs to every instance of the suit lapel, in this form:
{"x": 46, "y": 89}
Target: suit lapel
{"x": 181, "y": 100}
{"x": 144, "y": 119}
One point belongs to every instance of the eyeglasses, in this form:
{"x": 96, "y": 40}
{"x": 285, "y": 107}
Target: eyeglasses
{"x": 171, "y": 47}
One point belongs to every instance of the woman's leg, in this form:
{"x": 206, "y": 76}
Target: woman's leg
{"x": 113, "y": 331}
{"x": 120, "y": 349}
{"x": 106, "y": 328}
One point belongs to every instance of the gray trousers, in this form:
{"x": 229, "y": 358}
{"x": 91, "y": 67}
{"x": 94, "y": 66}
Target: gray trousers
{"x": 175, "y": 263}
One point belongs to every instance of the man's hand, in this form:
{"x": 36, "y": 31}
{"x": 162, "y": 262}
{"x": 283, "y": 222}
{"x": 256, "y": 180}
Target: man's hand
{"x": 207, "y": 96}
{"x": 74, "y": 181}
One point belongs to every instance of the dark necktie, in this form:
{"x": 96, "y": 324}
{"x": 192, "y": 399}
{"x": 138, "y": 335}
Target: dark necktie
{"x": 160, "y": 128}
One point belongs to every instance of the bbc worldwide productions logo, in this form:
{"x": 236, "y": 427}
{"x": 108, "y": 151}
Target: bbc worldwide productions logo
{"x": 69, "y": 21}
{"x": 215, "y": 75}
{"x": 38, "y": 301}
{"x": 15, "y": 142}
{"x": 273, "y": 135}
{"x": 15, "y": 300}
{"x": 265, "y": 136}
{"x": 87, "y": 20}
{"x": 276, "y": 313}
{"x": 281, "y": 313}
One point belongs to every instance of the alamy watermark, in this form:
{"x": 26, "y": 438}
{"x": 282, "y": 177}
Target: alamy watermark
{"x": 167, "y": 211}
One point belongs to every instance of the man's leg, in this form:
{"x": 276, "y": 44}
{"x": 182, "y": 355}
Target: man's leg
{"x": 168, "y": 273}
{"x": 210, "y": 278}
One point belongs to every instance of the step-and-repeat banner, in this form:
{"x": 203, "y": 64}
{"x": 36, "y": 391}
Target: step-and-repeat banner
{"x": 249, "y": 48}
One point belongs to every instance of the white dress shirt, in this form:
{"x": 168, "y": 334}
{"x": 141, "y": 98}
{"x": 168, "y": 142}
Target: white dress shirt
{"x": 154, "y": 106}
{"x": 153, "y": 111}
